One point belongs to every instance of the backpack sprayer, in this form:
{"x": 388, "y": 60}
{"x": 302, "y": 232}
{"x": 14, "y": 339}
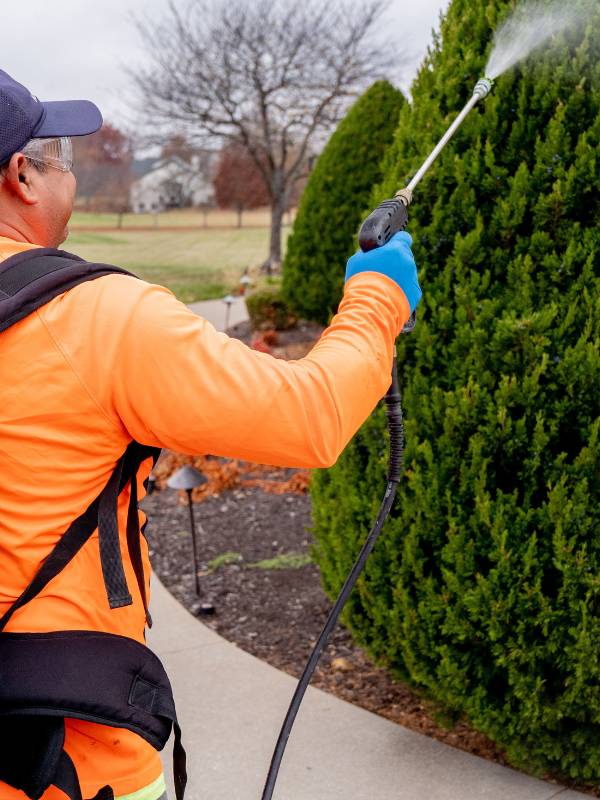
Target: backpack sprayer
{"x": 379, "y": 227}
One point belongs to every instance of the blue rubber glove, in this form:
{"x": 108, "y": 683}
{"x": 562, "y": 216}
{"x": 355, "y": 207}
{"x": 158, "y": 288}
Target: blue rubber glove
{"x": 394, "y": 259}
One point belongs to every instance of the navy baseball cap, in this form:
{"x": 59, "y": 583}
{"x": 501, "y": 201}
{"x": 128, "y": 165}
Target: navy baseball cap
{"x": 24, "y": 117}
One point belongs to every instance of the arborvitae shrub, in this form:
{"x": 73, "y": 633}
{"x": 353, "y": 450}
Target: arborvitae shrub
{"x": 485, "y": 587}
{"x": 338, "y": 190}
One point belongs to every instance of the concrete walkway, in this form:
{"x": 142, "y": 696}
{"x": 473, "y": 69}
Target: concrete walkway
{"x": 215, "y": 311}
{"x": 231, "y": 706}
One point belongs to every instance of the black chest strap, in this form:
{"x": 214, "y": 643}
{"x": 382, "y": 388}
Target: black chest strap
{"x": 81, "y": 529}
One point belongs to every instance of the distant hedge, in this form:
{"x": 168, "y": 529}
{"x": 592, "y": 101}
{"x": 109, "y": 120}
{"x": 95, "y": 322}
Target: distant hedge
{"x": 485, "y": 587}
{"x": 268, "y": 309}
{"x": 334, "y": 201}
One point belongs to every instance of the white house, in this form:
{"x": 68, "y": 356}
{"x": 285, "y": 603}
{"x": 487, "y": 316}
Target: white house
{"x": 174, "y": 183}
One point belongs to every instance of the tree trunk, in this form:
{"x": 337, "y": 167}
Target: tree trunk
{"x": 273, "y": 263}
{"x": 240, "y": 211}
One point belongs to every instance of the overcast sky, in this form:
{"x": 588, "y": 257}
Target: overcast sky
{"x": 71, "y": 49}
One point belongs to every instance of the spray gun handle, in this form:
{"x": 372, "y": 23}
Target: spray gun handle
{"x": 379, "y": 227}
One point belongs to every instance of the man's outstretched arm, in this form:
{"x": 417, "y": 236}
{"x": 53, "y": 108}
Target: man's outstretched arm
{"x": 173, "y": 381}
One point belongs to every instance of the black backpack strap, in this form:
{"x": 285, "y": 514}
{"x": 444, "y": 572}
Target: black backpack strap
{"x": 145, "y": 697}
{"x": 110, "y": 547}
{"x": 30, "y": 749}
{"x": 133, "y": 524}
{"x": 65, "y": 779}
{"x": 83, "y": 527}
{"x": 32, "y": 757}
{"x": 64, "y": 551}
{"x": 179, "y": 763}
{"x": 31, "y": 279}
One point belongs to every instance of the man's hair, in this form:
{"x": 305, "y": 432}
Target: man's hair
{"x": 38, "y": 165}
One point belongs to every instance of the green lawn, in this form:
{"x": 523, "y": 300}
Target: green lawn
{"x": 195, "y": 265}
{"x": 176, "y": 218}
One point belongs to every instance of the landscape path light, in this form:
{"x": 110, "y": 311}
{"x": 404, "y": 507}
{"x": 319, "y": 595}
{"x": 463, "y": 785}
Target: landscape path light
{"x": 229, "y": 300}
{"x": 246, "y": 281}
{"x": 187, "y": 479}
{"x": 151, "y": 486}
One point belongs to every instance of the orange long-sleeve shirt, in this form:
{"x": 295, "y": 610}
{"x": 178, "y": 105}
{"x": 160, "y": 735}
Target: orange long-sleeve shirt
{"x": 116, "y": 359}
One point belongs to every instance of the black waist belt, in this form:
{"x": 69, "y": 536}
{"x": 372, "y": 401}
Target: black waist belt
{"x": 97, "y": 677}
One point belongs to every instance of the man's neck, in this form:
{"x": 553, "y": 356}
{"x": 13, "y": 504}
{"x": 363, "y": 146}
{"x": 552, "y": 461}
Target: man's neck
{"x": 15, "y": 233}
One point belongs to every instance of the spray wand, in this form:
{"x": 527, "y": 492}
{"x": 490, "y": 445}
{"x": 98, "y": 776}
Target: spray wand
{"x": 392, "y": 215}
{"x": 388, "y": 218}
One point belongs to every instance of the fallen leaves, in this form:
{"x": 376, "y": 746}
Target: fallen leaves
{"x": 226, "y": 474}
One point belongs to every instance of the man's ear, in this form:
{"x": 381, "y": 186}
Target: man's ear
{"x": 18, "y": 179}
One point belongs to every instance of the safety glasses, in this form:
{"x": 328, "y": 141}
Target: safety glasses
{"x": 56, "y": 153}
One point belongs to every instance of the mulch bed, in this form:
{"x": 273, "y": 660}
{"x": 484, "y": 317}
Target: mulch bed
{"x": 253, "y": 531}
{"x": 276, "y": 613}
{"x": 253, "y": 546}
{"x": 291, "y": 344}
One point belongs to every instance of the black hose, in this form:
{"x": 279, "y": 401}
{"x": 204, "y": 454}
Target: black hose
{"x": 395, "y": 464}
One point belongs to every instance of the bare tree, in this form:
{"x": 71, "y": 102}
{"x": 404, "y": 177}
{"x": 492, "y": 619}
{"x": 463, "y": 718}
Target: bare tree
{"x": 276, "y": 75}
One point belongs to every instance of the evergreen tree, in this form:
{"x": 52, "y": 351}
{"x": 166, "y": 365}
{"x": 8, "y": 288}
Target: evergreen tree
{"x": 333, "y": 202}
{"x": 485, "y": 587}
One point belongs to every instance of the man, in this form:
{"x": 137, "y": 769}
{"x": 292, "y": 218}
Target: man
{"x": 116, "y": 359}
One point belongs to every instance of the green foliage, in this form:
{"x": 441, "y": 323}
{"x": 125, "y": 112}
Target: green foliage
{"x": 224, "y": 559}
{"x": 284, "y": 561}
{"x": 485, "y": 587}
{"x": 334, "y": 200}
{"x": 267, "y": 308}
